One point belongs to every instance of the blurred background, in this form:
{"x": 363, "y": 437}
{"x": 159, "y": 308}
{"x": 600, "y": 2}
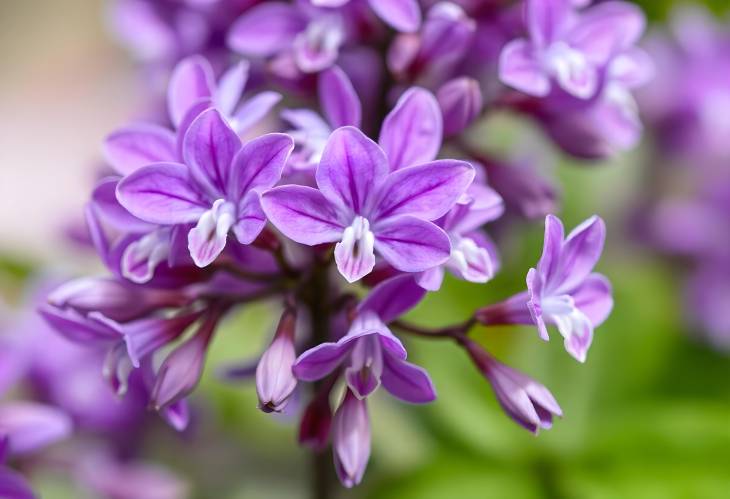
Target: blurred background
{"x": 648, "y": 416}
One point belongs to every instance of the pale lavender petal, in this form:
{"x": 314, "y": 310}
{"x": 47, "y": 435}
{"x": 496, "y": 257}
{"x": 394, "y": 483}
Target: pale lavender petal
{"x": 275, "y": 381}
{"x": 191, "y": 81}
{"x": 412, "y": 131}
{"x": 230, "y": 87}
{"x": 253, "y": 110}
{"x": 338, "y": 98}
{"x": 30, "y": 426}
{"x": 355, "y": 253}
{"x": 425, "y": 191}
{"x": 208, "y": 238}
{"x": 546, "y": 19}
{"x": 403, "y": 15}
{"x": 432, "y": 279}
{"x": 365, "y": 366}
{"x": 552, "y": 247}
{"x": 302, "y": 214}
{"x": 594, "y": 298}
{"x": 161, "y": 193}
{"x": 411, "y": 244}
{"x": 535, "y": 286}
{"x": 266, "y": 29}
{"x": 258, "y": 165}
{"x": 130, "y": 148}
{"x": 351, "y": 165}
{"x": 393, "y": 297}
{"x": 250, "y": 220}
{"x": 580, "y": 253}
{"x": 208, "y": 149}
{"x": 632, "y": 68}
{"x": 177, "y": 414}
{"x": 407, "y": 381}
{"x": 607, "y": 29}
{"x": 519, "y": 69}
{"x": 577, "y": 331}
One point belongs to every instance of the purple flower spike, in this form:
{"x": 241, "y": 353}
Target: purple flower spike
{"x": 525, "y": 400}
{"x": 367, "y": 209}
{"x": 351, "y": 440}
{"x": 371, "y": 353}
{"x": 217, "y": 188}
{"x": 275, "y": 382}
{"x": 567, "y": 47}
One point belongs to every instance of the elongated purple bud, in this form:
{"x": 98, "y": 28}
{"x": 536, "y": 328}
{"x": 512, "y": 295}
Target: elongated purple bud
{"x": 351, "y": 440}
{"x": 113, "y": 298}
{"x": 182, "y": 369}
{"x": 526, "y": 401}
{"x": 461, "y": 102}
{"x": 275, "y": 381}
{"x": 314, "y": 429}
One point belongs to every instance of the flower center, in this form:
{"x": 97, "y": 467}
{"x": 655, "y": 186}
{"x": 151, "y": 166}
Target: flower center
{"x": 572, "y": 70}
{"x": 355, "y": 254}
{"x": 471, "y": 261}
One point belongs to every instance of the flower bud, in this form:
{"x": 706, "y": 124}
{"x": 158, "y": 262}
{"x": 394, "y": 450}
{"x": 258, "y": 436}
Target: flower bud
{"x": 525, "y": 400}
{"x": 314, "y": 429}
{"x": 461, "y": 102}
{"x": 351, "y": 440}
{"x": 113, "y": 298}
{"x": 275, "y": 381}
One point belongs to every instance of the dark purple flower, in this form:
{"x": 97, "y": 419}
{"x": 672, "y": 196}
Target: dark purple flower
{"x": 217, "y": 188}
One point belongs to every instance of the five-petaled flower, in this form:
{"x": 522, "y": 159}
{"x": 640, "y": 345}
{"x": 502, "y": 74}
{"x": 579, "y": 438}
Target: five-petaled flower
{"x": 217, "y": 188}
{"x": 364, "y": 207}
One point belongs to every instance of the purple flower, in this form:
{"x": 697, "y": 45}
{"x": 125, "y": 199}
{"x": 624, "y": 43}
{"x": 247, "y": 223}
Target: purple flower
{"x": 525, "y": 400}
{"x": 562, "y": 290}
{"x": 351, "y": 439}
{"x": 403, "y": 15}
{"x": 370, "y": 352}
{"x": 568, "y": 48}
{"x": 275, "y": 381}
{"x": 367, "y": 208}
{"x": 432, "y": 55}
{"x": 217, "y": 188}
{"x": 310, "y": 37}
{"x": 473, "y": 255}
{"x": 26, "y": 427}
{"x": 340, "y": 105}
{"x": 192, "y": 86}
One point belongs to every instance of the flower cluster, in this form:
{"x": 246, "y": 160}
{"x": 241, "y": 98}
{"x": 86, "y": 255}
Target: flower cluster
{"x": 343, "y": 207}
{"x": 687, "y": 213}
